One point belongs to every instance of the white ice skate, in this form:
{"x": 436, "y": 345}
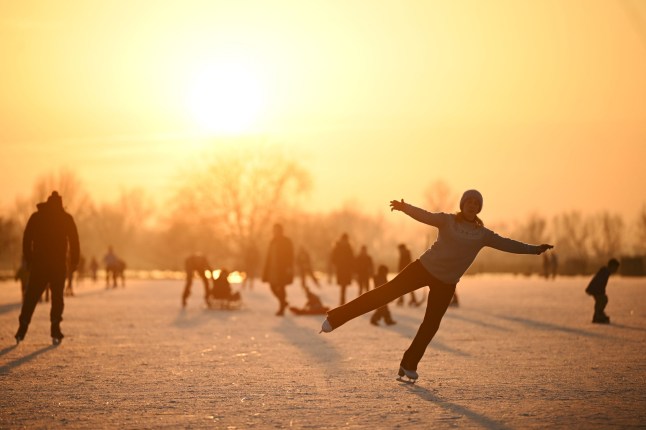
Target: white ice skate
{"x": 326, "y": 327}
{"x": 410, "y": 374}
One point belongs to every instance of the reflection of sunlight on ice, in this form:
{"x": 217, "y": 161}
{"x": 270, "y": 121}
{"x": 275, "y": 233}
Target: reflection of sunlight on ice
{"x": 234, "y": 277}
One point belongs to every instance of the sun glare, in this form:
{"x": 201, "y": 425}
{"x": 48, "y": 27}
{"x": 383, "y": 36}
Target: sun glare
{"x": 226, "y": 98}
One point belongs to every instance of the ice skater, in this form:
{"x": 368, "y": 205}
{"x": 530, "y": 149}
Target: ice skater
{"x": 49, "y": 234}
{"x": 196, "y": 264}
{"x": 597, "y": 289}
{"x": 460, "y": 237}
{"x": 279, "y": 267}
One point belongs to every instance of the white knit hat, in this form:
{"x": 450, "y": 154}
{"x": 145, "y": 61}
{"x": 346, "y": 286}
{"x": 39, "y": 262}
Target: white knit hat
{"x": 471, "y": 193}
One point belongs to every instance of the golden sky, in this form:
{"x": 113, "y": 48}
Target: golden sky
{"x": 540, "y": 105}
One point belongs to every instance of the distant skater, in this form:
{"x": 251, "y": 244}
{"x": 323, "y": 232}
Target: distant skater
{"x": 597, "y": 289}
{"x": 460, "y": 237}
{"x": 279, "y": 267}
{"x": 343, "y": 262}
{"x": 198, "y": 265}
{"x": 365, "y": 270}
{"x": 383, "y": 312}
{"x": 94, "y": 269}
{"x": 304, "y": 267}
{"x": 49, "y": 235}
{"x": 404, "y": 260}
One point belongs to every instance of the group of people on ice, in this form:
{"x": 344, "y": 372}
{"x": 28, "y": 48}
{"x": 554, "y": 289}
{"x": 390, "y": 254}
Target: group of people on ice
{"x": 51, "y": 248}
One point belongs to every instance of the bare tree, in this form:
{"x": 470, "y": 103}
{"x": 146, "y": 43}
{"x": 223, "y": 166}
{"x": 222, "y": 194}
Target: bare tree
{"x": 640, "y": 236}
{"x": 75, "y": 198}
{"x": 241, "y": 192}
{"x": 533, "y": 230}
{"x": 572, "y": 235}
{"x": 606, "y": 232}
{"x": 439, "y": 197}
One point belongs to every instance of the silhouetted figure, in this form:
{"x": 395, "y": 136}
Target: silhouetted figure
{"x": 110, "y": 262}
{"x": 547, "y": 266}
{"x": 22, "y": 275}
{"x": 597, "y": 289}
{"x": 198, "y": 265}
{"x": 80, "y": 270}
{"x": 313, "y": 305}
{"x": 69, "y": 288}
{"x": 554, "y": 264}
{"x": 365, "y": 270}
{"x": 221, "y": 294}
{"x": 404, "y": 260}
{"x": 460, "y": 237}
{"x": 343, "y": 262}
{"x": 381, "y": 277}
{"x": 279, "y": 267}
{"x": 304, "y": 268}
{"x": 120, "y": 272}
{"x": 49, "y": 234}
{"x": 251, "y": 264}
{"x": 94, "y": 269}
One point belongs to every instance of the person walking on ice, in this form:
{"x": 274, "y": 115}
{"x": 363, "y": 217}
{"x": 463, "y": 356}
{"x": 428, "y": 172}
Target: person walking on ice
{"x": 49, "y": 235}
{"x": 460, "y": 237}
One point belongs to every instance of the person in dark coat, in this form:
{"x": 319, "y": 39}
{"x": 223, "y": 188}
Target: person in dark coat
{"x": 597, "y": 289}
{"x": 343, "y": 262}
{"x": 279, "y": 267}
{"x": 22, "y": 275}
{"x": 49, "y": 235}
{"x": 196, "y": 264}
{"x": 365, "y": 270}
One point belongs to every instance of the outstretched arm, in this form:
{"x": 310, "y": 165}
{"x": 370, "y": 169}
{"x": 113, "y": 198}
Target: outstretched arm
{"x": 515, "y": 247}
{"x": 434, "y": 219}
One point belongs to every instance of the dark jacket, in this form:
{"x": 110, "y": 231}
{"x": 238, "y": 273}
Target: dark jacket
{"x": 49, "y": 233}
{"x": 279, "y": 266}
{"x": 343, "y": 260}
{"x": 598, "y": 283}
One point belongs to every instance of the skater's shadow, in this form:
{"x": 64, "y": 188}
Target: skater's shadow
{"x": 479, "y": 419}
{"x": 409, "y": 331}
{"x": 8, "y": 307}
{"x": 309, "y": 341}
{"x": 189, "y": 319}
{"x": 27, "y": 358}
{"x": 627, "y": 327}
{"x": 540, "y": 325}
{"x": 7, "y": 350}
{"x": 477, "y": 322}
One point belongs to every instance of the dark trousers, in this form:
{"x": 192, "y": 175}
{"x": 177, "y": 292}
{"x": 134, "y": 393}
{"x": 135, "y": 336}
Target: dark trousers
{"x": 39, "y": 280}
{"x": 600, "y": 302}
{"x": 364, "y": 284}
{"x": 413, "y": 276}
{"x": 281, "y": 294}
{"x": 382, "y": 312}
{"x": 189, "y": 283}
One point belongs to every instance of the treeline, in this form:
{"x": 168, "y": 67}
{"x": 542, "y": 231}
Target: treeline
{"x": 227, "y": 203}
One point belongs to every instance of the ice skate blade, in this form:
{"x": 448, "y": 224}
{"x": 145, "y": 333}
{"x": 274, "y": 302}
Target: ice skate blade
{"x": 406, "y": 381}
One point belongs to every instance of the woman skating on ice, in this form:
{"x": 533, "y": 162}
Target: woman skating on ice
{"x": 461, "y": 236}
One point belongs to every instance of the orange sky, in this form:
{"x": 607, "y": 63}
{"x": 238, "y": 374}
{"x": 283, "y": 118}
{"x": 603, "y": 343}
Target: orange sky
{"x": 541, "y": 105}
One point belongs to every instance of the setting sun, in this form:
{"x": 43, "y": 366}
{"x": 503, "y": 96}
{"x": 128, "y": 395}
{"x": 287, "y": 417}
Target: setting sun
{"x": 226, "y": 98}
